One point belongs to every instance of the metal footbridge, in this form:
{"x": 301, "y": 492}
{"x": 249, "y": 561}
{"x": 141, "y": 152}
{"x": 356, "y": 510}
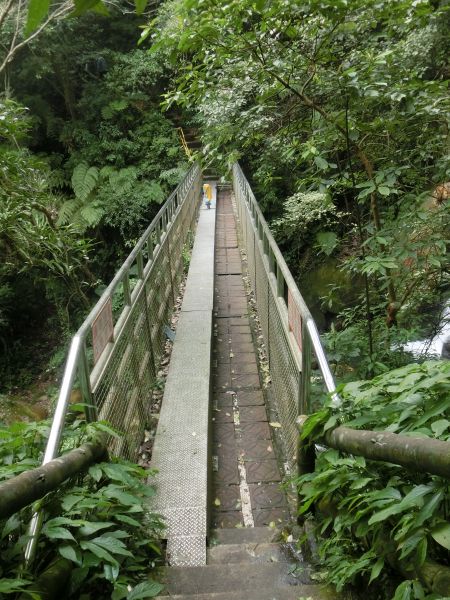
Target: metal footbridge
{"x": 114, "y": 357}
{"x": 239, "y": 379}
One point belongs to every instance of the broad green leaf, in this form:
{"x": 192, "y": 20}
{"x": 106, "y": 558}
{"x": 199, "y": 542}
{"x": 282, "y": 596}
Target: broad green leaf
{"x": 331, "y": 423}
{"x": 71, "y": 553}
{"x": 92, "y": 527}
{"x": 95, "y": 471}
{"x": 376, "y": 569}
{"x": 111, "y": 572}
{"x": 121, "y": 496}
{"x": 57, "y": 533}
{"x": 9, "y": 586}
{"x": 112, "y": 545}
{"x": 146, "y": 589}
{"x": 128, "y": 520}
{"x": 321, "y": 163}
{"x": 384, "y": 191}
{"x": 11, "y": 524}
{"x": 438, "y": 427}
{"x": 360, "y": 483}
{"x": 37, "y": 11}
{"x": 403, "y": 591}
{"x": 441, "y": 535}
{"x": 98, "y": 551}
{"x": 413, "y": 498}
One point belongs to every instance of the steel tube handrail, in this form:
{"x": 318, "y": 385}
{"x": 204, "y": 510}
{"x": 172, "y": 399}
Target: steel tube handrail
{"x": 290, "y": 282}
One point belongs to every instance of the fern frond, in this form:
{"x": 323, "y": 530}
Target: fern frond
{"x": 84, "y": 180}
{"x": 67, "y": 211}
{"x": 92, "y": 215}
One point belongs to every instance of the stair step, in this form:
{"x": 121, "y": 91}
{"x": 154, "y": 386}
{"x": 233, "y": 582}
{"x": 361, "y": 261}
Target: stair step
{"x": 246, "y": 553}
{"x": 312, "y": 592}
{"x": 222, "y": 578}
{"x": 244, "y": 535}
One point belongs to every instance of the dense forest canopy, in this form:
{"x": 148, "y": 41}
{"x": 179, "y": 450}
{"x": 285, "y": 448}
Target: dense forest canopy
{"x": 340, "y": 112}
{"x": 87, "y": 159}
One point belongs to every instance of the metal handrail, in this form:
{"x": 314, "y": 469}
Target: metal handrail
{"x": 76, "y": 347}
{"x": 288, "y": 328}
{"x": 278, "y": 266}
{"x": 77, "y": 361}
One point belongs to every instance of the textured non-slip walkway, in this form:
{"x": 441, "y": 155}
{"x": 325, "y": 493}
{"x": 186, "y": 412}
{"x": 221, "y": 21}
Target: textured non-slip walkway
{"x": 180, "y": 451}
{"x": 246, "y": 476}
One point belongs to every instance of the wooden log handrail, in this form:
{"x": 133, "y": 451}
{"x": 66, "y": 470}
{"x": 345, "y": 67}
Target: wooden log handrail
{"x": 26, "y": 488}
{"x": 417, "y": 453}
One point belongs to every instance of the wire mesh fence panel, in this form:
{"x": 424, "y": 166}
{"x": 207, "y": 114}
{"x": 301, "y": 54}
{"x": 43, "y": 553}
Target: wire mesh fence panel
{"x": 123, "y": 376}
{"x": 286, "y": 323}
{"x": 285, "y": 375}
{"x": 124, "y": 390}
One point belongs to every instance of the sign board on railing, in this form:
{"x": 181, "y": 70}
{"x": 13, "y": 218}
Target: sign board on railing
{"x": 102, "y": 329}
{"x": 294, "y": 320}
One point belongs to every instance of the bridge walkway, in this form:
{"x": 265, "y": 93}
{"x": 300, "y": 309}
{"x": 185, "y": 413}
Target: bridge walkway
{"x": 246, "y": 475}
{"x": 248, "y": 508}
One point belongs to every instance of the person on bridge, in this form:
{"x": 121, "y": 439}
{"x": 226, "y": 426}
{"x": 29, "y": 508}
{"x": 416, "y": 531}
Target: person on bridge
{"x": 207, "y": 194}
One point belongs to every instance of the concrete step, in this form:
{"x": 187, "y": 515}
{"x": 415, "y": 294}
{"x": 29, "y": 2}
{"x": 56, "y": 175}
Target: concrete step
{"x": 312, "y": 592}
{"x": 246, "y": 553}
{"x": 238, "y": 577}
{"x": 244, "y": 535}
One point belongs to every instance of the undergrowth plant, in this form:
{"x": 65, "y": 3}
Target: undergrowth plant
{"x": 97, "y": 524}
{"x": 376, "y": 520}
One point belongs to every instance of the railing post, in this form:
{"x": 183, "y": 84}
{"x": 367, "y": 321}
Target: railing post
{"x": 149, "y": 248}
{"x": 90, "y": 410}
{"x": 280, "y": 282}
{"x": 140, "y": 265}
{"x": 305, "y": 375}
{"x": 126, "y": 289}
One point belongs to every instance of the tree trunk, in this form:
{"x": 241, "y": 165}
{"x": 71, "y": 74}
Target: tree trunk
{"x": 22, "y": 490}
{"x": 418, "y": 454}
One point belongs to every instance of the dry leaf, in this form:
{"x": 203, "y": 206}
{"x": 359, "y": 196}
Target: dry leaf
{"x": 217, "y": 502}
{"x": 275, "y": 424}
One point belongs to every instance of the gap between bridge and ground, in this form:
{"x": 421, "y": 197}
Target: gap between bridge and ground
{"x": 219, "y": 480}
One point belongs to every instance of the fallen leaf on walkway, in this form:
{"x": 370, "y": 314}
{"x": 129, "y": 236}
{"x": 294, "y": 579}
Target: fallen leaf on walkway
{"x": 275, "y": 424}
{"x": 217, "y": 502}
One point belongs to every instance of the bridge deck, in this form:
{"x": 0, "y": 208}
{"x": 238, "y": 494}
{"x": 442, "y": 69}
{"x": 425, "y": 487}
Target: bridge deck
{"x": 244, "y": 476}
{"x": 246, "y": 491}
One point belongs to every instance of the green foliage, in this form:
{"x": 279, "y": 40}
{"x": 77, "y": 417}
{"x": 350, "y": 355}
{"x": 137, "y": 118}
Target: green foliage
{"x": 107, "y": 159}
{"x": 84, "y": 180}
{"x": 303, "y": 214}
{"x": 348, "y": 99}
{"x": 125, "y": 156}
{"x": 99, "y": 522}
{"x": 372, "y": 516}
{"x": 31, "y": 242}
